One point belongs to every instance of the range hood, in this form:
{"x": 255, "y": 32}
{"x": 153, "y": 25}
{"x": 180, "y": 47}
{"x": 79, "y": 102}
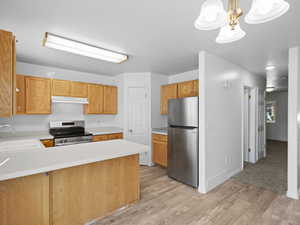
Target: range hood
{"x": 62, "y": 99}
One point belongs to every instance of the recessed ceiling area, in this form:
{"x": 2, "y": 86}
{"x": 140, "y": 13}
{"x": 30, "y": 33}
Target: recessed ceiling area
{"x": 158, "y": 36}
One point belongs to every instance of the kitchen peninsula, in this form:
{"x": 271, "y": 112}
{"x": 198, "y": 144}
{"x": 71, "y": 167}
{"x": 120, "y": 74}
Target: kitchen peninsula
{"x": 66, "y": 185}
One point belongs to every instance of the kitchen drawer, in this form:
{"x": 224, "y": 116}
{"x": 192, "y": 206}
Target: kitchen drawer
{"x": 115, "y": 136}
{"x": 102, "y": 137}
{"x": 48, "y": 143}
{"x": 160, "y": 137}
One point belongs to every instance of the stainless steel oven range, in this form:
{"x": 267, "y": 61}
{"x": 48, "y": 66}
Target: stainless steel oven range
{"x": 69, "y": 132}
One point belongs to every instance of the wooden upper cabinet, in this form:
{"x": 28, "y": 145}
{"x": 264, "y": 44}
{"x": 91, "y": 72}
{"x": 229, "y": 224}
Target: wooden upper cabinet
{"x": 167, "y": 92}
{"x": 110, "y": 100}
{"x": 187, "y": 89}
{"x": 61, "y": 87}
{"x": 196, "y": 87}
{"x": 20, "y": 94}
{"x": 38, "y": 95}
{"x": 95, "y": 97}
{"x": 79, "y": 89}
{"x": 14, "y": 61}
{"x": 7, "y": 73}
{"x": 69, "y": 88}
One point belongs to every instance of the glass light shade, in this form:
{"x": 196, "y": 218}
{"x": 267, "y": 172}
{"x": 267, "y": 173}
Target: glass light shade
{"x": 228, "y": 35}
{"x": 266, "y": 10}
{"x": 212, "y": 15}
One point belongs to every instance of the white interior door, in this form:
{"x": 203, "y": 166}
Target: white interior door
{"x": 246, "y": 123}
{"x": 137, "y": 116}
{"x": 250, "y": 118}
{"x": 261, "y": 127}
{"x": 253, "y": 125}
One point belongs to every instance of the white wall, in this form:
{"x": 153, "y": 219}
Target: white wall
{"x": 64, "y": 111}
{"x": 278, "y": 130}
{"x": 221, "y": 131}
{"x": 293, "y": 124}
{"x": 186, "y": 76}
{"x": 52, "y": 72}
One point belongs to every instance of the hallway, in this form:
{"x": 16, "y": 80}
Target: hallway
{"x": 269, "y": 173}
{"x": 166, "y": 202}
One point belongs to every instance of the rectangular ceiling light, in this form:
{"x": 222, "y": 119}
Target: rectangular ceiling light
{"x": 76, "y": 47}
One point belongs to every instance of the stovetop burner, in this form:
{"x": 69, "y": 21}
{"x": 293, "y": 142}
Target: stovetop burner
{"x": 69, "y": 132}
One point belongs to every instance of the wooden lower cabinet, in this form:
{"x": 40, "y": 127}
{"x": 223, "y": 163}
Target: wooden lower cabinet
{"x": 48, "y": 143}
{"x": 25, "y": 201}
{"x": 160, "y": 149}
{"x": 84, "y": 193}
{"x": 102, "y": 137}
{"x": 106, "y": 137}
{"x": 115, "y": 136}
{"x": 71, "y": 196}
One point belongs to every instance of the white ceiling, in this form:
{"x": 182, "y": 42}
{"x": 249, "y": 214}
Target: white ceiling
{"x": 158, "y": 35}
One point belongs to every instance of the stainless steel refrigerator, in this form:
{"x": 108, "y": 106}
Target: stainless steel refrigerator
{"x": 183, "y": 144}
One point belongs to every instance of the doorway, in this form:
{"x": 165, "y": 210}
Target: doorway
{"x": 265, "y": 160}
{"x": 254, "y": 146}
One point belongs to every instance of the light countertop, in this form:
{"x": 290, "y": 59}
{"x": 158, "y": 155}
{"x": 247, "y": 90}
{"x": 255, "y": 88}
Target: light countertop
{"x": 33, "y": 158}
{"x": 162, "y": 131}
{"x": 42, "y": 135}
{"x": 25, "y": 135}
{"x": 104, "y": 130}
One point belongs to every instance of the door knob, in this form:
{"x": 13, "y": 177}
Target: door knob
{"x": 130, "y": 130}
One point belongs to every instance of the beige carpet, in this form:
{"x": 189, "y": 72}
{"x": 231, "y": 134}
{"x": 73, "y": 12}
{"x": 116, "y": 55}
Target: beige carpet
{"x": 269, "y": 173}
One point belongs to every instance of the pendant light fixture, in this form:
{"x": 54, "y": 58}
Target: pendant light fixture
{"x": 213, "y": 16}
{"x": 227, "y": 34}
{"x": 266, "y": 10}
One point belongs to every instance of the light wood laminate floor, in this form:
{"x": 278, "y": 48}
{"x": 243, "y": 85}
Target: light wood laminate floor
{"x": 269, "y": 172}
{"x": 167, "y": 202}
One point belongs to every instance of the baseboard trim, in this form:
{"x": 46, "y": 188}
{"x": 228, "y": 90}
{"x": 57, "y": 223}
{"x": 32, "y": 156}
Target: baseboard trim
{"x": 283, "y": 141}
{"x": 221, "y": 178}
{"x": 293, "y": 195}
{"x": 151, "y": 164}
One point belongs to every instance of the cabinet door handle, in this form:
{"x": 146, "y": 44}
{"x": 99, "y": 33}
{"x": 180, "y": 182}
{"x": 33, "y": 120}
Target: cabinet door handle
{"x": 130, "y": 130}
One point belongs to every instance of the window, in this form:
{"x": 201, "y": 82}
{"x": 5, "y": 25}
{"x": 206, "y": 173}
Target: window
{"x": 271, "y": 112}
